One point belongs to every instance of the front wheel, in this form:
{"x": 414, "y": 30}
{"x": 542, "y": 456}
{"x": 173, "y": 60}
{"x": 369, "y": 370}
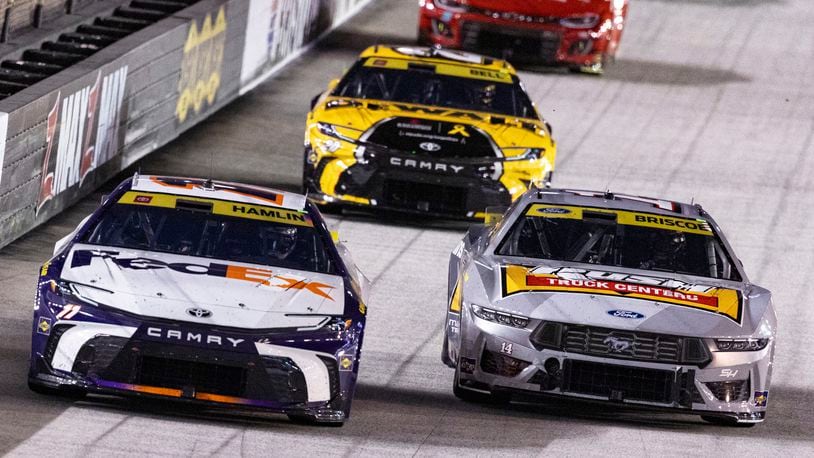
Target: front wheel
{"x": 477, "y": 397}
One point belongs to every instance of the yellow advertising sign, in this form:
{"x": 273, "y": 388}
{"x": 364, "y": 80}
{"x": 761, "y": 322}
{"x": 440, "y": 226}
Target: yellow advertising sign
{"x": 201, "y": 65}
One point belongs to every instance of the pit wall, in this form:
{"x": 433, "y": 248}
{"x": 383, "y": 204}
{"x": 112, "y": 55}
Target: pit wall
{"x": 63, "y": 137}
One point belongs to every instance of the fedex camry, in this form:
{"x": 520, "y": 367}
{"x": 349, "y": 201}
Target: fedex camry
{"x": 202, "y": 291}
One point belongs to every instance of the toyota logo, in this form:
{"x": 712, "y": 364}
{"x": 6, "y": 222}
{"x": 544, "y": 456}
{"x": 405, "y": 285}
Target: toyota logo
{"x": 430, "y": 147}
{"x": 199, "y": 313}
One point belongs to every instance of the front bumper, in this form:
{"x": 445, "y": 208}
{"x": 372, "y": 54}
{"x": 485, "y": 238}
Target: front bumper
{"x": 542, "y": 42}
{"x": 410, "y": 185}
{"x": 495, "y": 358}
{"x": 279, "y": 373}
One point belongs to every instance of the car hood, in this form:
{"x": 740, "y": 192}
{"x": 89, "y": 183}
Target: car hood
{"x": 358, "y": 116}
{"x": 626, "y": 299}
{"x": 543, "y": 7}
{"x": 172, "y": 287}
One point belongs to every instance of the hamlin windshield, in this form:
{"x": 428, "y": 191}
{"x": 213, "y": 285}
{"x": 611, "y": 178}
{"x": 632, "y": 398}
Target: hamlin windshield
{"x": 427, "y": 85}
{"x": 213, "y": 229}
{"x": 620, "y": 239}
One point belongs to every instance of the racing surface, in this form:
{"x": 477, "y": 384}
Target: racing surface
{"x": 709, "y": 99}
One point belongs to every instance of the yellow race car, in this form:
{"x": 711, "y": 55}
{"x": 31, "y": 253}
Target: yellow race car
{"x": 428, "y": 131}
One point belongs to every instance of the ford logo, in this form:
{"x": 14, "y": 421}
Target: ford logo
{"x": 556, "y": 211}
{"x": 430, "y": 147}
{"x": 625, "y": 314}
{"x": 199, "y": 313}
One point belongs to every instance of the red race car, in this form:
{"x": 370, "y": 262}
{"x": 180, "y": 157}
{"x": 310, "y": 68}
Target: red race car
{"x": 580, "y": 34}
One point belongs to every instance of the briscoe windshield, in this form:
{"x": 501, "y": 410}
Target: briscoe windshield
{"x": 619, "y": 238}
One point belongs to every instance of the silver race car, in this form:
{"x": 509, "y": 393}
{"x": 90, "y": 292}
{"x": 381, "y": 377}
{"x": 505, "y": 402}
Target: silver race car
{"x": 611, "y": 298}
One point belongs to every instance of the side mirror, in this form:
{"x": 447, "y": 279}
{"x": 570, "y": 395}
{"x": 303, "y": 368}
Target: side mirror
{"x": 476, "y": 232}
{"x": 315, "y": 100}
{"x": 494, "y": 215}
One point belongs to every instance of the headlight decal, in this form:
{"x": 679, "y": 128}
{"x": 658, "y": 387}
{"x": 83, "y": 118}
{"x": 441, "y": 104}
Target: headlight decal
{"x": 747, "y": 344}
{"x": 506, "y": 319}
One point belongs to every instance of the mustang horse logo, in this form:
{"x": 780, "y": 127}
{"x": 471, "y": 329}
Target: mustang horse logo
{"x": 617, "y": 345}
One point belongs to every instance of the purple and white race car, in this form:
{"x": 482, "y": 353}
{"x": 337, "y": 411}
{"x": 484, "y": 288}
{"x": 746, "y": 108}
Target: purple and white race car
{"x": 207, "y": 292}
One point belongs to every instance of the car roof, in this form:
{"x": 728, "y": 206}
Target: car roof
{"x": 608, "y": 199}
{"x": 219, "y": 190}
{"x": 438, "y": 55}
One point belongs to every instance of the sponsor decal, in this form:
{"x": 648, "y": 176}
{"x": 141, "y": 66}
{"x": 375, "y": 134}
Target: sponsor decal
{"x": 455, "y": 302}
{"x": 3, "y": 132}
{"x": 276, "y": 199}
{"x": 434, "y": 111}
{"x": 616, "y": 344}
{"x": 728, "y": 373}
{"x": 199, "y": 312}
{"x": 453, "y": 325}
{"x": 761, "y": 398}
{"x": 198, "y": 337}
{"x": 459, "y": 129}
{"x": 625, "y": 314}
{"x": 721, "y": 301}
{"x": 345, "y": 363}
{"x": 255, "y": 275}
{"x": 201, "y": 65}
{"x": 692, "y": 226}
{"x": 220, "y": 207}
{"x": 44, "y": 269}
{"x": 44, "y": 326}
{"x": 414, "y": 124}
{"x": 362, "y": 308}
{"x": 69, "y": 311}
{"x": 431, "y": 166}
{"x": 82, "y": 133}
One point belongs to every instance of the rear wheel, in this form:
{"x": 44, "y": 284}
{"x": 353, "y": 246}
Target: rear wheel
{"x": 725, "y": 421}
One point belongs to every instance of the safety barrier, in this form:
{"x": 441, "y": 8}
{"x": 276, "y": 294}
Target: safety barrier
{"x": 99, "y": 98}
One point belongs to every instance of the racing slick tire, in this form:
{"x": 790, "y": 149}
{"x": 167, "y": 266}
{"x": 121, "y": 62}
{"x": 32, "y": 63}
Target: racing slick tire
{"x": 476, "y": 397}
{"x": 726, "y": 421}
